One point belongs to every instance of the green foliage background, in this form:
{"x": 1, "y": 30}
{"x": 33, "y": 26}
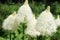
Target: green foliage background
{"x": 37, "y": 8}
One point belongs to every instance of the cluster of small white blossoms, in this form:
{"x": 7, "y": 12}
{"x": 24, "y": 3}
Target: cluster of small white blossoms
{"x": 46, "y": 23}
{"x": 10, "y": 23}
{"x": 25, "y": 14}
{"x": 30, "y": 30}
{"x": 58, "y": 21}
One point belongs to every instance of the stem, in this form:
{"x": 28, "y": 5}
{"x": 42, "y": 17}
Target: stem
{"x": 47, "y": 38}
{"x": 10, "y": 36}
{"x": 30, "y": 38}
{"x": 35, "y": 38}
{"x": 23, "y": 31}
{"x": 14, "y": 36}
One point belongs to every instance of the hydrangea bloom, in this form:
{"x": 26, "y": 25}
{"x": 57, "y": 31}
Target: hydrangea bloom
{"x": 25, "y": 12}
{"x": 45, "y": 23}
{"x": 10, "y": 23}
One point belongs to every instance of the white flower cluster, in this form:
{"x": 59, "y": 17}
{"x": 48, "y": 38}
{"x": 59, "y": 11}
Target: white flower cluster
{"x": 46, "y": 23}
{"x": 30, "y": 30}
{"x": 10, "y": 23}
{"x": 25, "y": 12}
{"x": 58, "y": 21}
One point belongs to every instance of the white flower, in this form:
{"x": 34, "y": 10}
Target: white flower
{"x": 30, "y": 30}
{"x": 23, "y": 10}
{"x": 10, "y": 23}
{"x": 45, "y": 23}
{"x": 58, "y": 21}
{"x": 25, "y": 14}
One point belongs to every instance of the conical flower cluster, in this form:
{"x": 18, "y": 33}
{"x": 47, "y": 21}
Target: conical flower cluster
{"x": 58, "y": 21}
{"x": 46, "y": 23}
{"x": 25, "y": 14}
{"x": 10, "y": 23}
{"x": 23, "y": 10}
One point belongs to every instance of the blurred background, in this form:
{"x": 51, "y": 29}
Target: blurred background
{"x": 7, "y": 7}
